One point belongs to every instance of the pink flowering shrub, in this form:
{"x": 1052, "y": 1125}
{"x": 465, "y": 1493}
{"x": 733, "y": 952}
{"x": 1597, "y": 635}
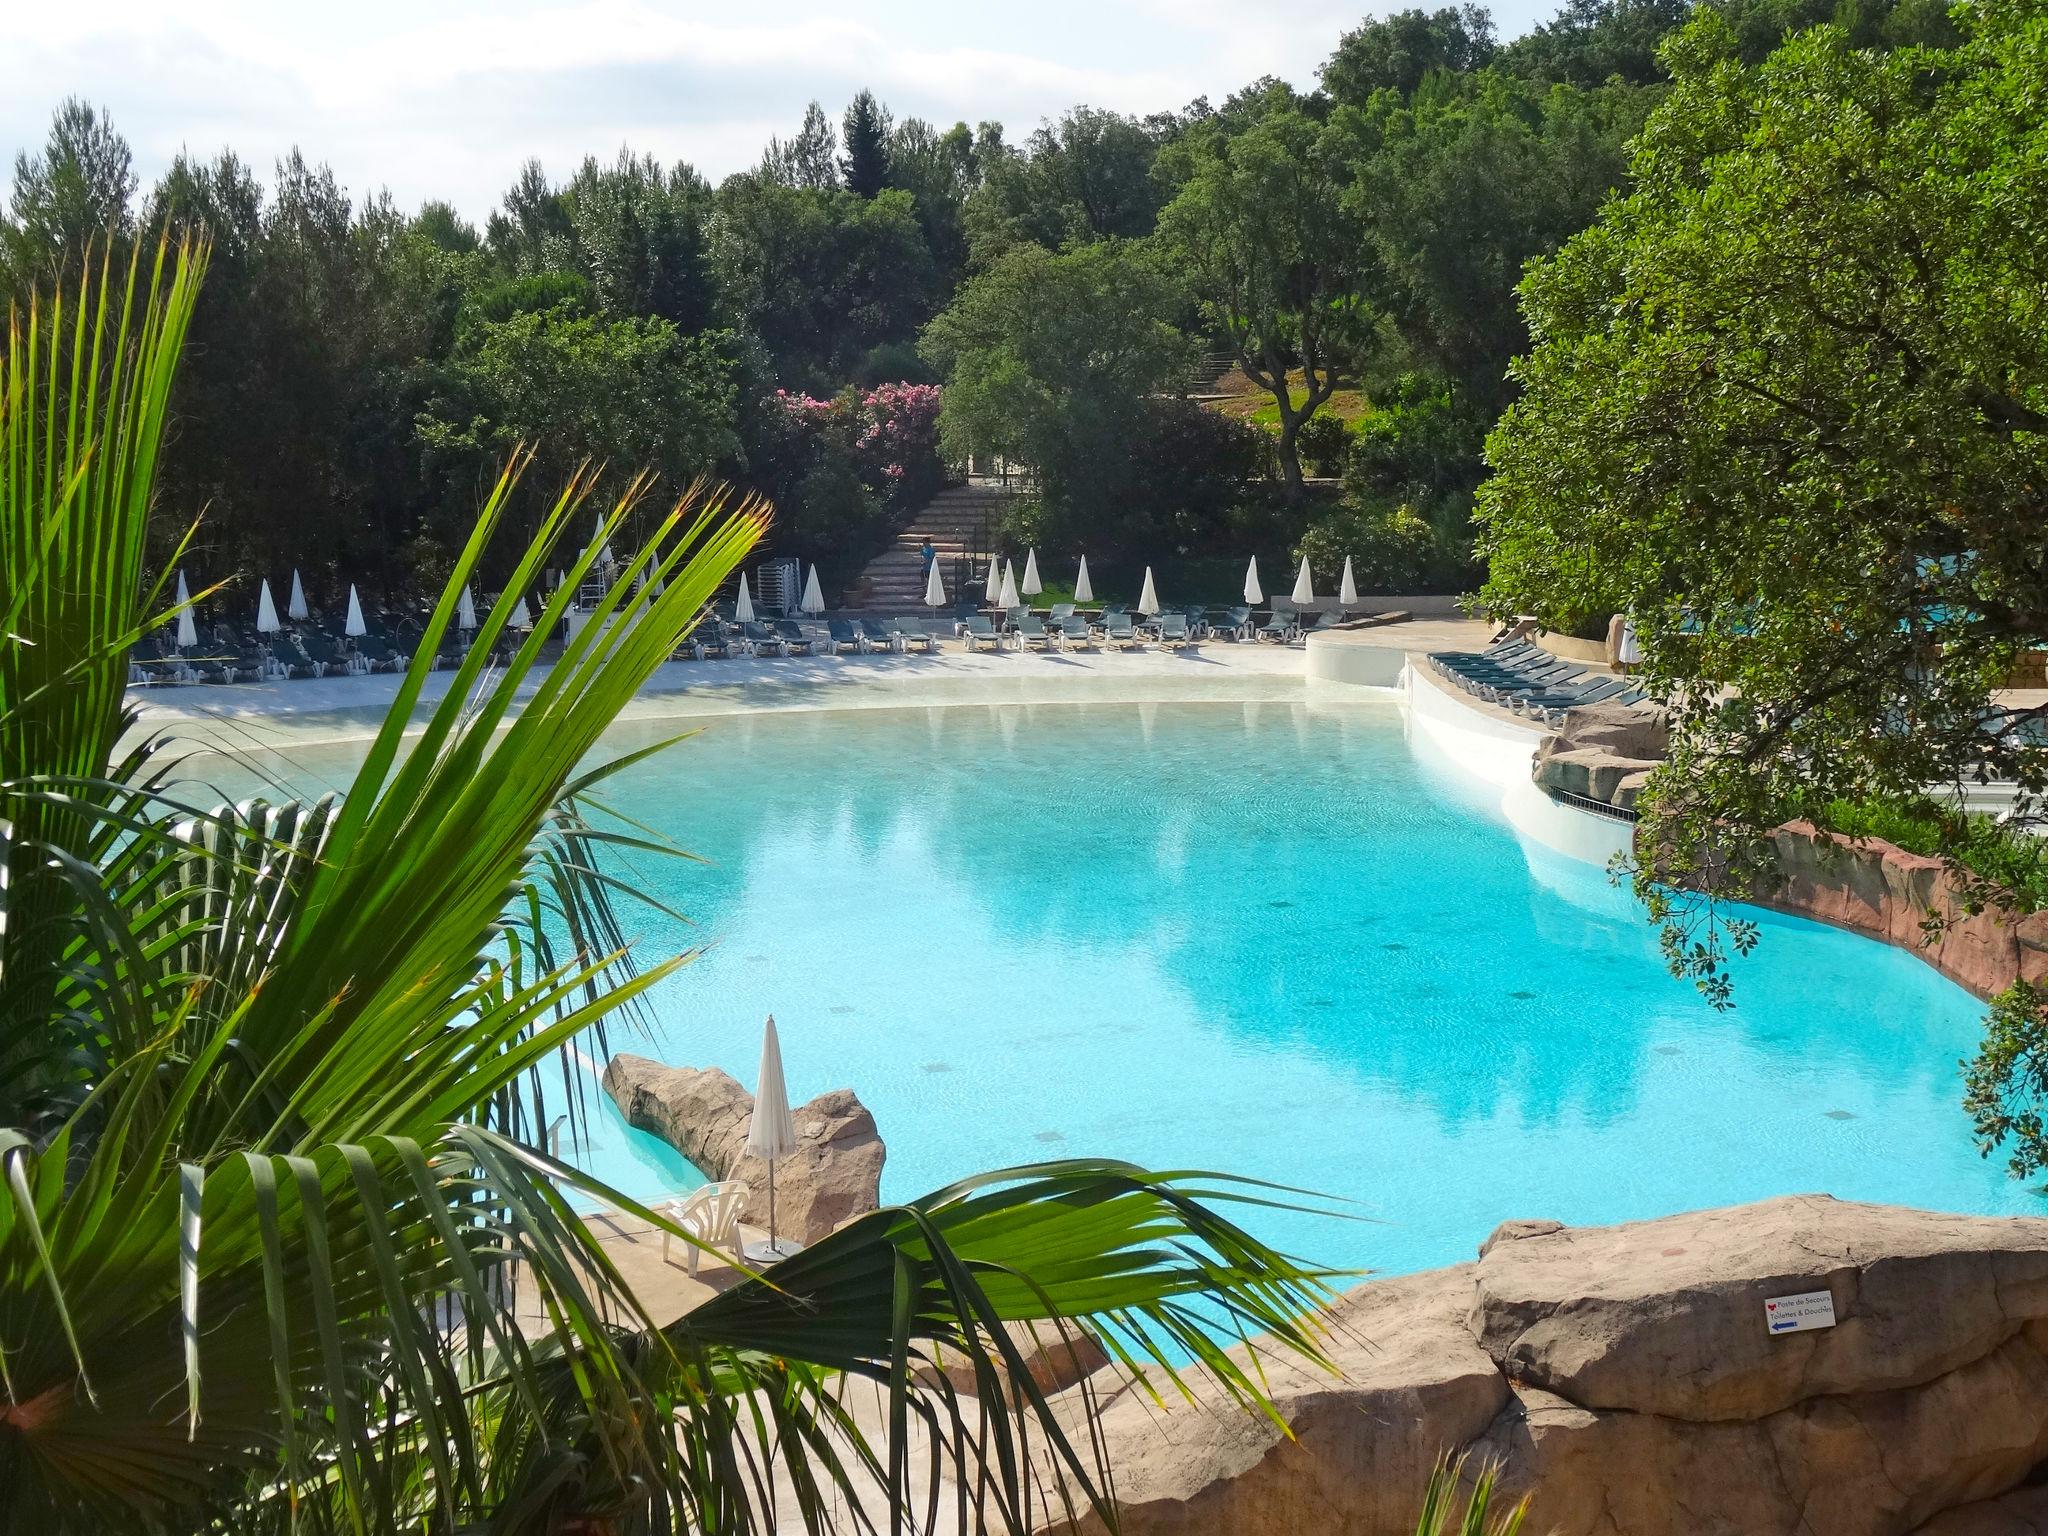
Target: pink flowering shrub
{"x": 842, "y": 472}
{"x": 892, "y": 432}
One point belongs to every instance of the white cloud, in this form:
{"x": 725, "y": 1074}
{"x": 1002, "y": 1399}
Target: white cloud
{"x": 447, "y": 99}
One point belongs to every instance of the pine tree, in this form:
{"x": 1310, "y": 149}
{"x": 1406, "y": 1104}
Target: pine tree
{"x": 865, "y": 166}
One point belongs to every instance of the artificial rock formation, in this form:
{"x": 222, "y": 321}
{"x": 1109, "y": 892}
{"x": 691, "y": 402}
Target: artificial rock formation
{"x": 1626, "y": 1378}
{"x": 1877, "y": 888}
{"x": 834, "y": 1175}
{"x": 1603, "y": 752}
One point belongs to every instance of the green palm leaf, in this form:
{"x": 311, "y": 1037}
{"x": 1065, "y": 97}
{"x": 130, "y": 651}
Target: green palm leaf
{"x": 272, "y": 1091}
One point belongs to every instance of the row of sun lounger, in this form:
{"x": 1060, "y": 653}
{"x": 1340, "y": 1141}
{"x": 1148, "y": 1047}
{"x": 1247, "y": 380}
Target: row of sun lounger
{"x": 1018, "y": 629}
{"x": 1522, "y": 677}
{"x": 224, "y": 655}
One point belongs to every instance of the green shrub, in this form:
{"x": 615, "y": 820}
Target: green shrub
{"x": 1418, "y": 442}
{"x": 1395, "y": 545}
{"x": 1323, "y": 443}
{"x": 2011, "y": 859}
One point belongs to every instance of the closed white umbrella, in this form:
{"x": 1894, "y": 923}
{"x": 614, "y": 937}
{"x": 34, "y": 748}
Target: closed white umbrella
{"x": 266, "y": 610}
{"x": 1032, "y": 585}
{"x": 991, "y": 587}
{"x": 1304, "y": 588}
{"x": 465, "y": 610}
{"x": 604, "y": 548}
{"x": 814, "y": 595}
{"x": 352, "y": 625}
{"x": 295, "y": 605}
{"x": 1148, "y": 599}
{"x": 934, "y": 588}
{"x": 522, "y": 616}
{"x": 1254, "y": 594}
{"x": 1347, "y": 592}
{"x": 1009, "y": 593}
{"x": 188, "y": 632}
{"x": 1083, "y": 592}
{"x": 771, "y": 1132}
{"x": 743, "y": 610}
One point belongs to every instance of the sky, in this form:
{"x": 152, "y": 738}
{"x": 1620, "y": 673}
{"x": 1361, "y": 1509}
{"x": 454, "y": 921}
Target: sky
{"x": 446, "y": 98}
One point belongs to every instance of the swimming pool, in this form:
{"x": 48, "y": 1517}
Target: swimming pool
{"x": 1280, "y": 939}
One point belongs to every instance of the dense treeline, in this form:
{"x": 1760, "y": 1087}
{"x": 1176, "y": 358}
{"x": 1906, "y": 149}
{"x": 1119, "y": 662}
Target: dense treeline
{"x": 358, "y": 372}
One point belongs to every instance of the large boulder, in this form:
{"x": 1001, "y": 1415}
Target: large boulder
{"x": 1603, "y": 752}
{"x": 2023, "y": 1512}
{"x": 1856, "y": 1464}
{"x": 1667, "y": 1316}
{"x": 834, "y": 1175}
{"x": 1408, "y": 1380}
{"x": 1626, "y": 1378}
{"x": 1626, "y": 730}
{"x": 1054, "y": 1358}
{"x": 1592, "y": 773}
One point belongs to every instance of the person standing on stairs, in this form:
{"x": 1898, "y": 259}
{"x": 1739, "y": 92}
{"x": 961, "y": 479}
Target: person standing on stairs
{"x": 927, "y": 554}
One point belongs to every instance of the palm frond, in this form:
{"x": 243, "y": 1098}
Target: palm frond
{"x": 275, "y": 1212}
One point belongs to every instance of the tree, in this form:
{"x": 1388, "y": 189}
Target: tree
{"x": 1395, "y": 52}
{"x": 822, "y": 278}
{"x": 636, "y": 395}
{"x": 1788, "y": 408}
{"x": 637, "y": 232}
{"x": 1262, "y": 234}
{"x": 810, "y": 160}
{"x": 448, "y": 230}
{"x": 1590, "y": 42}
{"x": 865, "y": 133}
{"x": 74, "y": 193}
{"x": 272, "y": 1107}
{"x": 939, "y": 171}
{"x": 531, "y": 231}
{"x": 1464, "y": 187}
{"x": 1050, "y": 361}
{"x": 1087, "y": 177}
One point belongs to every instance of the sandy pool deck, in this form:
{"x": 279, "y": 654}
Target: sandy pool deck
{"x": 279, "y": 715}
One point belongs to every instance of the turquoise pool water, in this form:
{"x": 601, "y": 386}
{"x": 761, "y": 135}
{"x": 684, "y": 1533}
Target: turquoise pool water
{"x": 1278, "y": 939}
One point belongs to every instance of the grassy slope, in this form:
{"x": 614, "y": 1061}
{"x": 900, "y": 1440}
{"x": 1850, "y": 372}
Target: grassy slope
{"x": 1246, "y": 401}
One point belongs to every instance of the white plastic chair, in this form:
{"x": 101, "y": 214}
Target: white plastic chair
{"x": 710, "y": 1214}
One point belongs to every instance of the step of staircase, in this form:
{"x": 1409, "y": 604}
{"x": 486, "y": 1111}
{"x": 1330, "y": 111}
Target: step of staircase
{"x": 954, "y": 521}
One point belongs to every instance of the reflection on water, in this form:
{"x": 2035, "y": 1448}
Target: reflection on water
{"x": 1265, "y": 938}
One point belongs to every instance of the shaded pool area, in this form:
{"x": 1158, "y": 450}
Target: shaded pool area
{"x": 1274, "y": 938}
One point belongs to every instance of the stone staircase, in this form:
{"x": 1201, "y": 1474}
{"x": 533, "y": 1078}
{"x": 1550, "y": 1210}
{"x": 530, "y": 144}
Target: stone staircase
{"x": 958, "y": 521}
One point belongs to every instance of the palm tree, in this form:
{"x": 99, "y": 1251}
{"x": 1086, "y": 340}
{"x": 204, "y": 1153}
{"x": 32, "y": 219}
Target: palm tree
{"x": 271, "y": 1077}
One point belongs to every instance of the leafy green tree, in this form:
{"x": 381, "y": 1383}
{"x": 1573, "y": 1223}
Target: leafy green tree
{"x": 1395, "y": 52}
{"x": 939, "y": 171}
{"x": 1463, "y": 187}
{"x": 278, "y": 1212}
{"x": 529, "y": 232}
{"x": 1053, "y": 361}
{"x": 634, "y": 395}
{"x": 1087, "y": 177}
{"x": 447, "y": 230}
{"x": 638, "y": 235}
{"x": 1262, "y": 233}
{"x": 822, "y": 278}
{"x": 810, "y": 161}
{"x": 1788, "y": 407}
{"x": 76, "y": 192}
{"x": 864, "y": 168}
{"x": 1590, "y": 42}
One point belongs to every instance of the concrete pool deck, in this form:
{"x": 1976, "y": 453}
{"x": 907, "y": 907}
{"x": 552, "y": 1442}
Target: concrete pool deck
{"x": 308, "y": 711}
